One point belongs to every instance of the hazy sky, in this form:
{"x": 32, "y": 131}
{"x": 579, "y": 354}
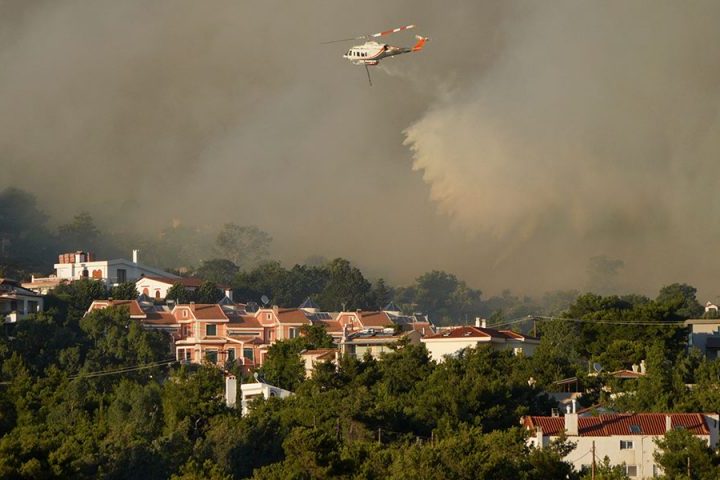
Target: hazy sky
{"x": 526, "y": 138}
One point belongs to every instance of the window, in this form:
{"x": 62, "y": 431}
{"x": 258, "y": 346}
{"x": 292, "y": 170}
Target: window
{"x": 631, "y": 470}
{"x": 211, "y": 356}
{"x": 188, "y": 355}
{"x": 294, "y": 332}
{"x": 626, "y": 444}
{"x": 517, "y": 351}
{"x": 248, "y": 353}
{"x": 231, "y": 355}
{"x": 210, "y": 330}
{"x": 121, "y": 275}
{"x": 181, "y": 354}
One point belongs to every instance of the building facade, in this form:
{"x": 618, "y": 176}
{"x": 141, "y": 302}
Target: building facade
{"x": 627, "y": 438}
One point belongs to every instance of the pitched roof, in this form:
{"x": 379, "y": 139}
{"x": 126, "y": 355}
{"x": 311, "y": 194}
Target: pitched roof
{"x": 292, "y": 315}
{"x": 204, "y": 311}
{"x": 331, "y": 326}
{"x": 132, "y": 305}
{"x": 184, "y": 281}
{"x": 391, "y": 307}
{"x": 479, "y": 332}
{"x": 621, "y": 423}
{"x": 321, "y": 353}
{"x": 374, "y": 319}
{"x": 244, "y": 321}
{"x": 309, "y": 303}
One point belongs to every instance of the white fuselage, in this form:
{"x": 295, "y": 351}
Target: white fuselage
{"x": 370, "y": 53}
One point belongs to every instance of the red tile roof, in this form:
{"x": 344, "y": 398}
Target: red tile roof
{"x": 244, "y": 321}
{"x": 292, "y": 315}
{"x": 374, "y": 319}
{"x": 203, "y": 311}
{"x": 479, "y": 332}
{"x": 331, "y": 326}
{"x": 132, "y": 305}
{"x": 619, "y": 424}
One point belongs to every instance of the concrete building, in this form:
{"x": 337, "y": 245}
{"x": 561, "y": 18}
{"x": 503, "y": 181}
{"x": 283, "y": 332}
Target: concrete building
{"x": 705, "y": 336}
{"x": 79, "y": 265}
{"x": 452, "y": 340}
{"x": 17, "y": 302}
{"x": 627, "y": 438}
{"x": 249, "y": 392}
{"x": 375, "y": 342}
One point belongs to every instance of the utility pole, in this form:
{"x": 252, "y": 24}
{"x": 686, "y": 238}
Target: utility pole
{"x": 592, "y": 476}
{"x": 689, "y": 472}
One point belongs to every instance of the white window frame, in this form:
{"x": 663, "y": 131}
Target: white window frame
{"x": 626, "y": 445}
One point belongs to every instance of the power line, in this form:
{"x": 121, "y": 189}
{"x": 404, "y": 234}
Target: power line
{"x": 585, "y": 320}
{"x": 129, "y": 369}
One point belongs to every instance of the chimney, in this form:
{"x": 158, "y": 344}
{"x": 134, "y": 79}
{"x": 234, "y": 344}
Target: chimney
{"x": 477, "y": 322}
{"x": 635, "y": 368}
{"x": 668, "y": 423}
{"x": 539, "y": 437}
{"x": 642, "y": 367}
{"x": 192, "y": 306}
{"x": 571, "y": 424}
{"x": 574, "y": 406}
{"x": 230, "y": 391}
{"x": 135, "y": 255}
{"x": 483, "y": 323}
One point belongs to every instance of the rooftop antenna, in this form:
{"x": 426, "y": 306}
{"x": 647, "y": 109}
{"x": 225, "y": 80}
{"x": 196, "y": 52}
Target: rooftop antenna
{"x": 265, "y": 300}
{"x": 597, "y": 367}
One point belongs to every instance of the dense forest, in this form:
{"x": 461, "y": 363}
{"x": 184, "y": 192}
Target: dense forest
{"x": 99, "y": 396}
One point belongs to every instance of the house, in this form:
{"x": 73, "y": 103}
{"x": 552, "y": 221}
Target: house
{"x": 705, "y": 336}
{"x": 209, "y": 332}
{"x": 625, "y": 438}
{"x": 79, "y": 265}
{"x": 283, "y": 323}
{"x": 310, "y": 358}
{"x": 450, "y": 341}
{"x": 43, "y": 285}
{"x": 17, "y": 302}
{"x": 250, "y": 392}
{"x": 375, "y": 341}
{"x": 157, "y": 287}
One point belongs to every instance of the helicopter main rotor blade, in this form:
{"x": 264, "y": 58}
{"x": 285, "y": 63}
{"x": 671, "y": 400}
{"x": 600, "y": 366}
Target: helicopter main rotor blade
{"x": 390, "y": 32}
{"x": 372, "y": 35}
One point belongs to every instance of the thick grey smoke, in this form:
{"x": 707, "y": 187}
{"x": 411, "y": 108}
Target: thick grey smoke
{"x": 545, "y": 134}
{"x": 594, "y": 131}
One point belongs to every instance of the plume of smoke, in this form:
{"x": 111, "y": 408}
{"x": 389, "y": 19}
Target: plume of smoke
{"x": 595, "y": 131}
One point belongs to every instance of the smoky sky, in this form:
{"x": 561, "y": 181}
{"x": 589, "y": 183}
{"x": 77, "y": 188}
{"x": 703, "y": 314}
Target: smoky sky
{"x": 526, "y": 138}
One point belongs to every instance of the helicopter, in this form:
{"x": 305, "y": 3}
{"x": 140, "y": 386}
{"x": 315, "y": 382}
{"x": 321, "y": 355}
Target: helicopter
{"x": 371, "y": 52}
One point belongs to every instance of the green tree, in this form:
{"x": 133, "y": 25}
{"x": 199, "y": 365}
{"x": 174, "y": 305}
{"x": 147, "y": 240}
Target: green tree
{"x": 283, "y": 367}
{"x": 245, "y": 246}
{"x": 217, "y": 270}
{"x": 605, "y": 471}
{"x": 680, "y": 300}
{"x": 81, "y": 233}
{"x": 346, "y": 287}
{"x": 381, "y": 294}
{"x": 179, "y": 294}
{"x": 124, "y": 291}
{"x": 680, "y": 451}
{"x": 208, "y": 293}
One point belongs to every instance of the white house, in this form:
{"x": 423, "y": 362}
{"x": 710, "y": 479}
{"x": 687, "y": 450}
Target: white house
{"x": 705, "y": 336}
{"x": 249, "y": 392}
{"x": 79, "y": 265}
{"x": 17, "y": 302}
{"x": 451, "y": 340}
{"x": 627, "y": 438}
